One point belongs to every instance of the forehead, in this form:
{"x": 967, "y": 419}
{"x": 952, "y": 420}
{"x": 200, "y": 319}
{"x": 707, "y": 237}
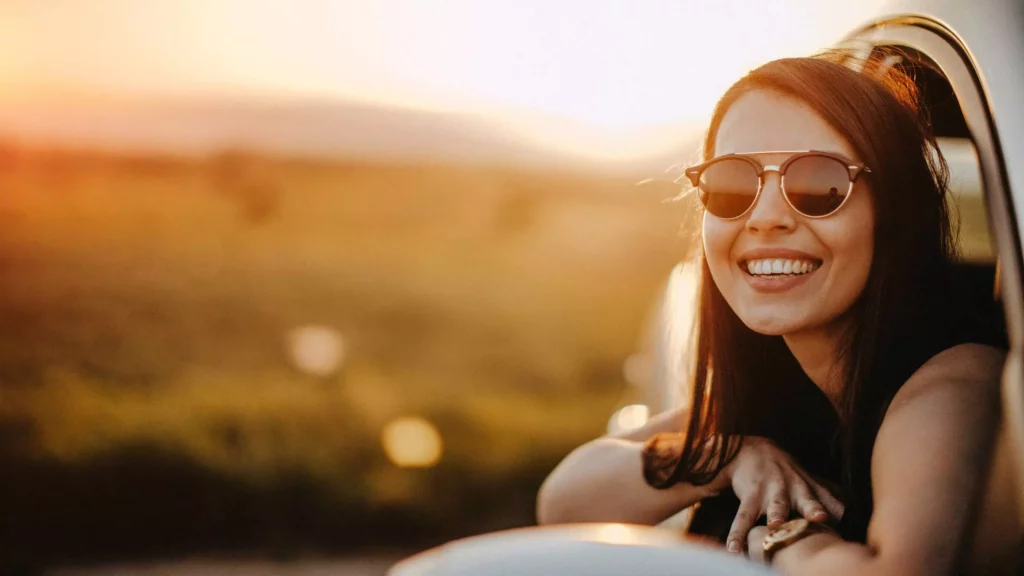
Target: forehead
{"x": 765, "y": 120}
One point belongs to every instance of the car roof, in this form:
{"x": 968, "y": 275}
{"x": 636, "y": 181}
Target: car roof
{"x": 991, "y": 33}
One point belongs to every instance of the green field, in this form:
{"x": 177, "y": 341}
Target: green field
{"x": 149, "y": 405}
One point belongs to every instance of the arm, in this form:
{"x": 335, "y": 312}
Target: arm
{"x": 603, "y": 481}
{"x": 928, "y": 463}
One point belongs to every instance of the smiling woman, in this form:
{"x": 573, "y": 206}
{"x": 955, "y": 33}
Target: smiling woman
{"x": 835, "y": 354}
{"x": 882, "y": 253}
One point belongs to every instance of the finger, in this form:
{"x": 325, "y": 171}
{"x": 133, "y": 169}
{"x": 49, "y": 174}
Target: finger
{"x": 804, "y": 501}
{"x": 747, "y": 514}
{"x": 833, "y": 505}
{"x": 755, "y": 543}
{"x": 778, "y": 505}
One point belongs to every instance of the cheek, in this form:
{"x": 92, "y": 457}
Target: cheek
{"x": 718, "y": 238}
{"x": 712, "y": 236}
{"x": 852, "y": 250}
{"x": 862, "y": 254}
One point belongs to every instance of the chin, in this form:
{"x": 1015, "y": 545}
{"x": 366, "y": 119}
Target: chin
{"x": 771, "y": 324}
{"x": 770, "y": 330}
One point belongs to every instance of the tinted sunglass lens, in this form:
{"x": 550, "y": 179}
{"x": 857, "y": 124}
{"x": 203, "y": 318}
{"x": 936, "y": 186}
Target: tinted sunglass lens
{"x": 816, "y": 185}
{"x": 727, "y": 188}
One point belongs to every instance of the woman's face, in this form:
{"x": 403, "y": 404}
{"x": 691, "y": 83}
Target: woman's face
{"x": 836, "y": 249}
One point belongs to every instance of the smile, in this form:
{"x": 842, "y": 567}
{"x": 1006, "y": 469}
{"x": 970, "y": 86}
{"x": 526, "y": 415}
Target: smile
{"x": 779, "y": 266}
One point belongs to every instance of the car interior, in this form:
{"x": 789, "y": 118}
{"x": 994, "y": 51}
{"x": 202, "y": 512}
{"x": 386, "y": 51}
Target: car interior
{"x": 978, "y": 264}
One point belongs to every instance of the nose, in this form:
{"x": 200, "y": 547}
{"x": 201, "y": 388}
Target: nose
{"x": 771, "y": 213}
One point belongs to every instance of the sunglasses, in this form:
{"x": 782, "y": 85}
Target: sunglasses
{"x": 815, "y": 184}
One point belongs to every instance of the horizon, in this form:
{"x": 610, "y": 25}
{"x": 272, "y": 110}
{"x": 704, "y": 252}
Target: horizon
{"x": 327, "y": 128}
{"x": 610, "y": 82}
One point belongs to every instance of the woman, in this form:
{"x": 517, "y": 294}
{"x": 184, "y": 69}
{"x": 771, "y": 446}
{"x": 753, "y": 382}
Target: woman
{"x": 831, "y": 334}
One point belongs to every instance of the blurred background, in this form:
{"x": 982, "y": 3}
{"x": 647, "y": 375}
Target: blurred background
{"x": 314, "y": 285}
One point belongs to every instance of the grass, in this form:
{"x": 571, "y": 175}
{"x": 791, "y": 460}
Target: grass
{"x": 145, "y": 376}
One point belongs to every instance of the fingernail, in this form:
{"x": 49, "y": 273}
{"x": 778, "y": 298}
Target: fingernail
{"x": 734, "y": 546}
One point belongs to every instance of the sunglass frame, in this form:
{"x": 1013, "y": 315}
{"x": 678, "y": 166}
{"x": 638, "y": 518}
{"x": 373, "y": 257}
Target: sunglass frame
{"x": 854, "y": 170}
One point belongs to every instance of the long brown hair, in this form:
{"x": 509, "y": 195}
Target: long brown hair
{"x": 898, "y": 320}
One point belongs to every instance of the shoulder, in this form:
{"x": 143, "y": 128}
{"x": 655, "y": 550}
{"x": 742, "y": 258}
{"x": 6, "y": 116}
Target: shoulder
{"x": 930, "y": 457}
{"x": 967, "y": 359}
{"x": 953, "y": 394}
{"x": 965, "y": 370}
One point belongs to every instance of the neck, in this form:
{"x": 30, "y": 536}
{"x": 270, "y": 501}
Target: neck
{"x": 817, "y": 351}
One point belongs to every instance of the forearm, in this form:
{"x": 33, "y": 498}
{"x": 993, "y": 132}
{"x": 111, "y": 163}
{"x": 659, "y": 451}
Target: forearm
{"x": 602, "y": 481}
{"x": 825, "y": 551}
{"x": 829, "y": 554}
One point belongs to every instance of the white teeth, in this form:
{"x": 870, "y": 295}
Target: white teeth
{"x": 780, "y": 266}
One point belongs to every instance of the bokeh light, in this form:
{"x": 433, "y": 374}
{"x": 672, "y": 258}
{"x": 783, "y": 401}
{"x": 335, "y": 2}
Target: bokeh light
{"x": 630, "y": 535}
{"x": 628, "y": 418}
{"x": 412, "y": 442}
{"x": 316, "y": 350}
{"x": 637, "y": 369}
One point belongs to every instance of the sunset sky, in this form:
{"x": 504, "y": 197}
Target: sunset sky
{"x": 606, "y": 65}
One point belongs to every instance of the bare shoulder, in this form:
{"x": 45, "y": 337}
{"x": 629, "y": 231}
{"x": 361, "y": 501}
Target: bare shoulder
{"x": 930, "y": 458}
{"x": 965, "y": 371}
{"x": 942, "y": 420}
{"x": 956, "y": 392}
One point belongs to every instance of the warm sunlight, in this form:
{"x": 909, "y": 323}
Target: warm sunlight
{"x": 617, "y": 79}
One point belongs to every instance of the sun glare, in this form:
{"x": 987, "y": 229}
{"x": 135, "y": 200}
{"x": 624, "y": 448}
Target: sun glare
{"x": 615, "y": 80}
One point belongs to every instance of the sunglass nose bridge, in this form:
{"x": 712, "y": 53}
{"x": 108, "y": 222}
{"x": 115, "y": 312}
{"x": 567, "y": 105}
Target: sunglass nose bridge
{"x": 765, "y": 170}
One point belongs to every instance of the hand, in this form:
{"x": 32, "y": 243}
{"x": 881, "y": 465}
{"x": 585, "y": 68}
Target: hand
{"x": 755, "y": 544}
{"x": 768, "y": 481}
